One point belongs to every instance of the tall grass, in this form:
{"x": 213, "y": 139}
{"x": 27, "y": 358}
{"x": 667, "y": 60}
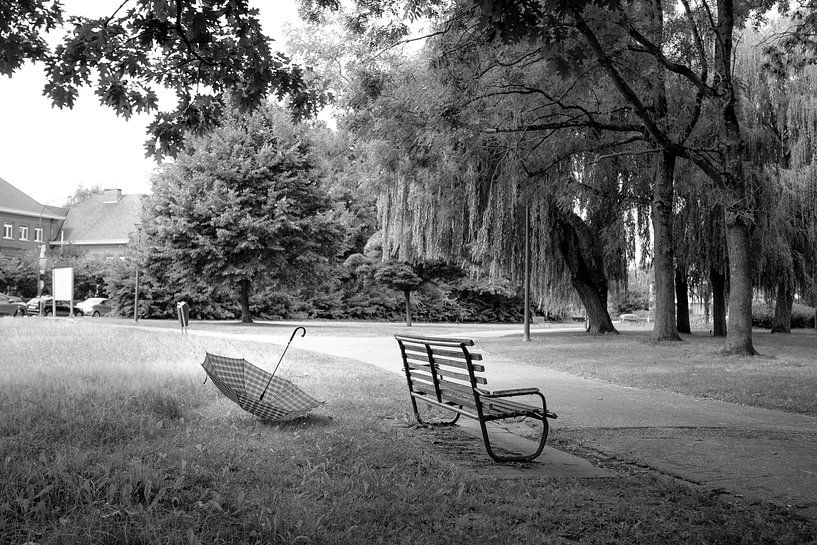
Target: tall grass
{"x": 109, "y": 436}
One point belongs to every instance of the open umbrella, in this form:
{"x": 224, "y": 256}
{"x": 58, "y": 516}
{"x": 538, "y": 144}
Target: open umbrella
{"x": 257, "y": 391}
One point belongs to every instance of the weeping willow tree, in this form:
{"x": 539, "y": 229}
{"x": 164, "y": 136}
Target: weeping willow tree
{"x": 448, "y": 191}
{"x": 700, "y": 251}
{"x": 781, "y": 128}
{"x": 467, "y": 215}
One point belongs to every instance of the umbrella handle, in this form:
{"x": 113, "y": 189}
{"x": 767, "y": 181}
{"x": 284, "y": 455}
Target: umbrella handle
{"x": 303, "y": 330}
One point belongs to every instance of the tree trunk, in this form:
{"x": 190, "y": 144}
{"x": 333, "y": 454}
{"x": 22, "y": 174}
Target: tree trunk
{"x": 246, "y": 317}
{"x": 739, "y": 334}
{"x": 664, "y": 328}
{"x": 717, "y": 282}
{"x": 595, "y": 305}
{"x": 663, "y": 306}
{"x": 682, "y": 299}
{"x": 737, "y": 213}
{"x": 705, "y": 302}
{"x": 781, "y": 322}
{"x": 408, "y": 307}
{"x": 579, "y": 248}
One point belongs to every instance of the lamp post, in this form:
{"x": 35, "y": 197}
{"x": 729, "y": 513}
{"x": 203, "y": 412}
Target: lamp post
{"x": 526, "y": 335}
{"x": 41, "y": 264}
{"x": 136, "y": 279}
{"x": 136, "y": 296}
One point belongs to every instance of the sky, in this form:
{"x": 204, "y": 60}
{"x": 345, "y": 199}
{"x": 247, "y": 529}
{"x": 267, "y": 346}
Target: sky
{"x": 48, "y": 153}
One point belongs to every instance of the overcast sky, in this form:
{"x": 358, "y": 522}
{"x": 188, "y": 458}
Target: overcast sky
{"x": 49, "y": 153}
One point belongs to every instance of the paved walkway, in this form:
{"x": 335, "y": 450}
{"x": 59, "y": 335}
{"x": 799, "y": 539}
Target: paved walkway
{"x": 757, "y": 453}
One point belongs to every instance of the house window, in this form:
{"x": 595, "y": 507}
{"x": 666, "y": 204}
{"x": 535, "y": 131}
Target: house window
{"x": 24, "y": 232}
{"x": 8, "y": 230}
{"x": 38, "y": 234}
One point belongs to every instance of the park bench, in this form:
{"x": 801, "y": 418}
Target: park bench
{"x": 442, "y": 373}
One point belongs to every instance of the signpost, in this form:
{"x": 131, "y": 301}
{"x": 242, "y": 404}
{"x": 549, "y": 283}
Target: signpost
{"x": 62, "y": 280}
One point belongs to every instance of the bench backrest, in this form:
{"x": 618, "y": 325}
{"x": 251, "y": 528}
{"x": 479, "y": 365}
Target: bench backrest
{"x": 442, "y": 368}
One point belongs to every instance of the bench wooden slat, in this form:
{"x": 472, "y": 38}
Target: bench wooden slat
{"x": 439, "y": 353}
{"x": 492, "y": 409}
{"x": 449, "y": 374}
{"x": 417, "y": 364}
{"x": 461, "y": 410}
{"x": 446, "y": 375}
{"x": 434, "y": 341}
{"x": 451, "y": 362}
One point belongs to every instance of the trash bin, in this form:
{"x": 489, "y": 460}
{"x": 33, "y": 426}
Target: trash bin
{"x": 183, "y": 310}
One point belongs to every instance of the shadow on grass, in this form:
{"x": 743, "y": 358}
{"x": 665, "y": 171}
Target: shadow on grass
{"x": 308, "y": 421}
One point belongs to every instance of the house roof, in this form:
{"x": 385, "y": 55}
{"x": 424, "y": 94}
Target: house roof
{"x": 94, "y": 221}
{"x": 15, "y": 201}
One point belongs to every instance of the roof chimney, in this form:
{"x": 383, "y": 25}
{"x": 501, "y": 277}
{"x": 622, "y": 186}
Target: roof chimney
{"x": 112, "y": 196}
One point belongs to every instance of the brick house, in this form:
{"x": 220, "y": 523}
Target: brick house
{"x": 26, "y": 224}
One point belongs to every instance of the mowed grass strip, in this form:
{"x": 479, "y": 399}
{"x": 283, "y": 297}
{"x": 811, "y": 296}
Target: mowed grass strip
{"x": 109, "y": 436}
{"x": 782, "y": 377}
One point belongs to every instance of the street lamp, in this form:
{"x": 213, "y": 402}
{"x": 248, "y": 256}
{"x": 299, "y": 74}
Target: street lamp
{"x": 136, "y": 280}
{"x": 526, "y": 335}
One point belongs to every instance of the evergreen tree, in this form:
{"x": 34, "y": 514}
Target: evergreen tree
{"x": 239, "y": 207}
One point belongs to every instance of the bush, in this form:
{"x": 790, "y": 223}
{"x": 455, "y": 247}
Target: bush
{"x": 271, "y": 305}
{"x": 630, "y": 302}
{"x": 18, "y": 275}
{"x": 802, "y": 316}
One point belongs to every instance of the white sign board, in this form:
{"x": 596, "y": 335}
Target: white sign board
{"x": 63, "y": 283}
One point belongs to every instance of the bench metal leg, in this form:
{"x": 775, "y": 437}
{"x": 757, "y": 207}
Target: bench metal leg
{"x": 514, "y": 458}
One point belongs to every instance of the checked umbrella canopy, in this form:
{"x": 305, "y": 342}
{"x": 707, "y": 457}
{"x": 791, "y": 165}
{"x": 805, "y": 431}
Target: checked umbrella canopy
{"x": 256, "y": 390}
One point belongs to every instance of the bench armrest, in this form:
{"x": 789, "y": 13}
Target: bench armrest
{"x": 517, "y": 392}
{"x": 508, "y": 393}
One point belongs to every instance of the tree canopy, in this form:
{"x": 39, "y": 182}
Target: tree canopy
{"x": 240, "y": 207}
{"x": 203, "y": 52}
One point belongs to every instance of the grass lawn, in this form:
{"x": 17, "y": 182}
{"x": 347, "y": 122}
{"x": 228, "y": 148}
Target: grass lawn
{"x": 783, "y": 376}
{"x": 107, "y": 435}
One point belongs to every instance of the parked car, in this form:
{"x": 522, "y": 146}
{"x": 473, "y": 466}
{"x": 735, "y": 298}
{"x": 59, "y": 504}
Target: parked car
{"x": 11, "y": 305}
{"x": 95, "y": 306}
{"x": 63, "y": 307}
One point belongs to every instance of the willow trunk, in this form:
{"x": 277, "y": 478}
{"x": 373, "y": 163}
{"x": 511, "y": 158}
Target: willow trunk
{"x": 579, "y": 247}
{"x": 717, "y": 284}
{"x": 781, "y": 322}
{"x": 595, "y": 305}
{"x": 739, "y": 333}
{"x": 738, "y": 212}
{"x": 664, "y": 328}
{"x": 682, "y": 300}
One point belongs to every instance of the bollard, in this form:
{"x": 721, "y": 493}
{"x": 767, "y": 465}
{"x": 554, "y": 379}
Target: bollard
{"x": 183, "y": 311}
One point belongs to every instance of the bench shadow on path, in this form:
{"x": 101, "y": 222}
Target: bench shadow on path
{"x": 462, "y": 445}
